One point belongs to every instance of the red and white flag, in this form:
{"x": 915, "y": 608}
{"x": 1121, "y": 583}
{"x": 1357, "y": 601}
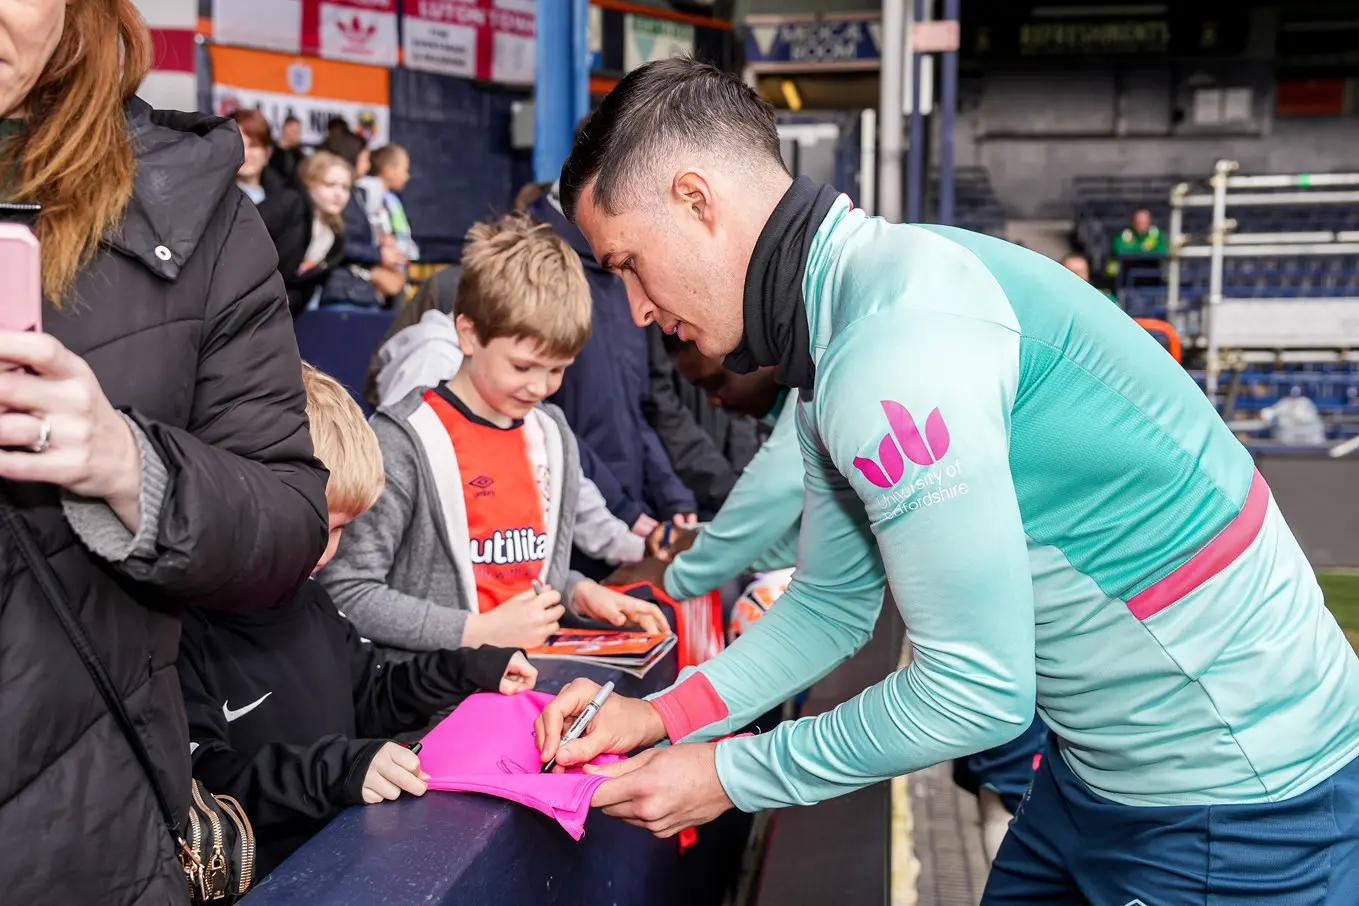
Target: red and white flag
{"x": 358, "y": 31}
{"x": 172, "y": 83}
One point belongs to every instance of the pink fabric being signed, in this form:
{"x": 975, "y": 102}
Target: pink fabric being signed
{"x": 487, "y": 746}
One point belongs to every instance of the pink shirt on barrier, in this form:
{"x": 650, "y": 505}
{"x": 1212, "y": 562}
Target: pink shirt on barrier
{"x": 487, "y": 746}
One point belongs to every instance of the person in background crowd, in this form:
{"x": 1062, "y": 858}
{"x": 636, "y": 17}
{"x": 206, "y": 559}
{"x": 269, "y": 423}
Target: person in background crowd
{"x": 282, "y": 208}
{"x": 756, "y": 529}
{"x": 602, "y": 396}
{"x": 1079, "y": 265}
{"x": 369, "y": 272}
{"x": 326, "y": 180}
{"x": 708, "y": 445}
{"x": 479, "y": 459}
{"x": 999, "y": 777}
{"x": 336, "y": 127}
{"x": 421, "y": 348}
{"x": 288, "y": 152}
{"x": 1140, "y": 239}
{"x": 315, "y": 706}
{"x": 382, "y": 199}
{"x": 155, "y": 447}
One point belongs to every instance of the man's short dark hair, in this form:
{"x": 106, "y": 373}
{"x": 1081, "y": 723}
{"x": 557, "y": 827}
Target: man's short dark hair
{"x": 291, "y": 119}
{"x": 654, "y": 108}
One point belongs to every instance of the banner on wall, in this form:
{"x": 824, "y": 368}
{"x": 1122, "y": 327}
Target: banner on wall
{"x": 474, "y": 39}
{"x": 646, "y": 39}
{"x": 791, "y": 43}
{"x": 313, "y": 90}
{"x": 172, "y": 83}
{"x": 358, "y": 31}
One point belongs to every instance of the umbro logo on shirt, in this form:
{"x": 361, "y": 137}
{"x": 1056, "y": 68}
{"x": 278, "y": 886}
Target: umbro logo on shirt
{"x": 483, "y": 482}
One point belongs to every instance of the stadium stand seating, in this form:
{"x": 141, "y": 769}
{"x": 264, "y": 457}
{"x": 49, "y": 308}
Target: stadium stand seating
{"x": 1104, "y": 205}
{"x": 976, "y": 206}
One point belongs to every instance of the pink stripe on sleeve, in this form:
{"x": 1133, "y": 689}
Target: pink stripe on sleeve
{"x": 1212, "y": 559}
{"x": 690, "y": 706}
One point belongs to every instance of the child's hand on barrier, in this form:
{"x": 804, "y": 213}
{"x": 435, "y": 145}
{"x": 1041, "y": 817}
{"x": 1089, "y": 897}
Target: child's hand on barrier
{"x": 524, "y": 621}
{"x": 520, "y": 675}
{"x": 394, "y": 770}
{"x": 596, "y": 602}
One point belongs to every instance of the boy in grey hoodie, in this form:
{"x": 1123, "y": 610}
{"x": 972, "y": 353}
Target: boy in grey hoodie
{"x": 483, "y": 479}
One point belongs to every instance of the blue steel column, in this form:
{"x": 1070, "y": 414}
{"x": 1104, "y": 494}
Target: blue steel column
{"x": 561, "y": 82}
{"x": 948, "y": 101}
{"x": 915, "y": 154}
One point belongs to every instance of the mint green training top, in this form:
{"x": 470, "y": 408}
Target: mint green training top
{"x": 1059, "y": 513}
{"x": 757, "y": 527}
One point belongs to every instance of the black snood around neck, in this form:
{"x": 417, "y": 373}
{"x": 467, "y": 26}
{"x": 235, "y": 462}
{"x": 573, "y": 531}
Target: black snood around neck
{"x": 776, "y": 331}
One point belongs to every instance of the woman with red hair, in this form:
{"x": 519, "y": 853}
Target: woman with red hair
{"x": 154, "y": 450}
{"x": 281, "y": 206}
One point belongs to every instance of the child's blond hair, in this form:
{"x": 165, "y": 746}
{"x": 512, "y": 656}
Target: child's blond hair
{"x": 521, "y": 280}
{"x": 344, "y": 443}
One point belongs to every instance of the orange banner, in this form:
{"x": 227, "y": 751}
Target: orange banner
{"x": 313, "y": 90}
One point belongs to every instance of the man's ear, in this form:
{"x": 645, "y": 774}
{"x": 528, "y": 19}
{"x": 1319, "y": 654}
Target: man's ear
{"x": 694, "y": 190}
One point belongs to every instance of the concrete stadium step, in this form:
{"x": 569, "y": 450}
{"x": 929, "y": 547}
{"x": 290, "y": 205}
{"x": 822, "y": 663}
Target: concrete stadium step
{"x": 946, "y": 840}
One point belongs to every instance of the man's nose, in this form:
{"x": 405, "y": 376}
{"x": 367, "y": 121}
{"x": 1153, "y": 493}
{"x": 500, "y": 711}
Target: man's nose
{"x": 643, "y": 312}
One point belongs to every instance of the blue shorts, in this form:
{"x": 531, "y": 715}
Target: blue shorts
{"x": 1068, "y": 845}
{"x": 1006, "y": 769}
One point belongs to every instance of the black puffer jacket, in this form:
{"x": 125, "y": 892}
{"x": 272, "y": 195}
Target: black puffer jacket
{"x": 182, "y": 318}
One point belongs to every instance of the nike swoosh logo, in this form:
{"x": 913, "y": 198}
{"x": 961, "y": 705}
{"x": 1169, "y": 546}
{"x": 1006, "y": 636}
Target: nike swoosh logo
{"x": 231, "y": 715}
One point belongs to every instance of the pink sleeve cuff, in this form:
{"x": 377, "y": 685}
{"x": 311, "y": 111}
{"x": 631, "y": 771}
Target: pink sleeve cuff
{"x": 689, "y": 707}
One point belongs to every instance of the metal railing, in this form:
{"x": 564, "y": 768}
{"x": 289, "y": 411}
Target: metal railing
{"x": 1222, "y": 242}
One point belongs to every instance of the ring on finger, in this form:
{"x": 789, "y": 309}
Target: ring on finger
{"x": 44, "y": 440}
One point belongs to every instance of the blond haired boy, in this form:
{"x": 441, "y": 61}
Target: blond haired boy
{"x": 289, "y": 710}
{"x": 484, "y": 495}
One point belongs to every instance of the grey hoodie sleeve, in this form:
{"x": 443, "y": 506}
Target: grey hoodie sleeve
{"x": 601, "y": 534}
{"x": 423, "y": 355}
{"x": 99, "y": 527}
{"x": 358, "y": 577}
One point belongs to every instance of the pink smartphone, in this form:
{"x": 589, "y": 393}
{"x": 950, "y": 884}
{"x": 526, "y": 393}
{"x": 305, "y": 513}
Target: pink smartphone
{"x": 21, "y": 273}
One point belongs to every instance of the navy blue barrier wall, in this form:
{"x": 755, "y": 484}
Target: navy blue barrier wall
{"x": 462, "y": 166}
{"x": 340, "y": 340}
{"x": 467, "y": 849}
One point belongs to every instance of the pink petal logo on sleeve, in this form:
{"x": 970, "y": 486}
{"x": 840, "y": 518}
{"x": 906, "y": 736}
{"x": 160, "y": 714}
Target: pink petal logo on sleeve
{"x": 904, "y": 440}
